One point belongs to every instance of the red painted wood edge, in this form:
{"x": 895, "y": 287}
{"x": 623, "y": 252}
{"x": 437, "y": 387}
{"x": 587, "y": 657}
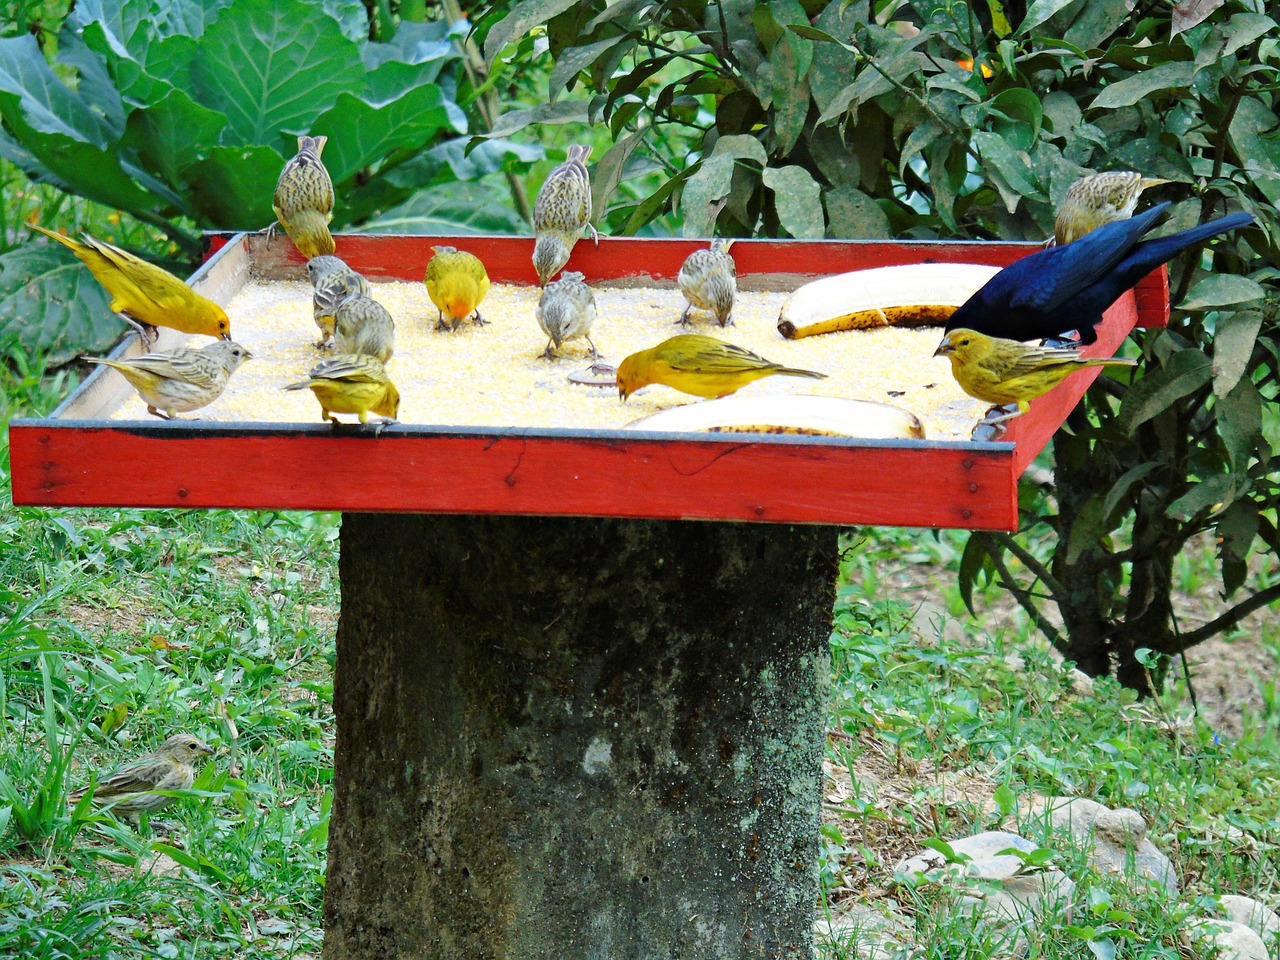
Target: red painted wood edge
{"x": 313, "y": 468}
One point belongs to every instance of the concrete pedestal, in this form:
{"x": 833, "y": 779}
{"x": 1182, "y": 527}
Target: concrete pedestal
{"x": 571, "y": 739}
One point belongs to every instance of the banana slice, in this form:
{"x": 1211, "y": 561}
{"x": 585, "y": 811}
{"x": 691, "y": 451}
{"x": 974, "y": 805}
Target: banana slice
{"x": 793, "y": 413}
{"x": 914, "y": 295}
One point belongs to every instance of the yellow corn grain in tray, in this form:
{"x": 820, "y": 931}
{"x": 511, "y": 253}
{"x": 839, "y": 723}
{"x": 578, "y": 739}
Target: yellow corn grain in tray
{"x": 494, "y": 375}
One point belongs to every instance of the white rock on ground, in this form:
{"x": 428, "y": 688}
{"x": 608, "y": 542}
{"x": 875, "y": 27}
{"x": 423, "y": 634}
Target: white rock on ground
{"x": 1231, "y": 940}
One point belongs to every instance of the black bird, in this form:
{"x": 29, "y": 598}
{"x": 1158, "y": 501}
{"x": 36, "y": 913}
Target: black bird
{"x": 1053, "y": 291}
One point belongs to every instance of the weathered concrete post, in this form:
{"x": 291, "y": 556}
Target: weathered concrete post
{"x": 562, "y": 739}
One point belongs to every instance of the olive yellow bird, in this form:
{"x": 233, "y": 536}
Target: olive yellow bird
{"x": 1009, "y": 372}
{"x": 352, "y": 383}
{"x": 702, "y": 366}
{"x": 560, "y": 213}
{"x": 709, "y": 281}
{"x": 178, "y": 381}
{"x": 363, "y": 325}
{"x": 303, "y": 200}
{"x": 332, "y": 282}
{"x": 146, "y": 295}
{"x": 456, "y": 283}
{"x": 566, "y": 310}
{"x": 1098, "y": 199}
{"x": 131, "y": 789}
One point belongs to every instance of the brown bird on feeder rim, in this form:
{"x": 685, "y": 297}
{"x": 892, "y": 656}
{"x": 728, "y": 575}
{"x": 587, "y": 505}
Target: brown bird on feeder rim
{"x": 303, "y": 199}
{"x": 1098, "y": 199}
{"x": 560, "y": 213}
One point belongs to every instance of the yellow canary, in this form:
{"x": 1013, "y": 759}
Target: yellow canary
{"x": 703, "y": 366}
{"x": 363, "y": 325}
{"x": 566, "y": 311}
{"x": 181, "y": 380}
{"x": 333, "y": 281}
{"x": 148, "y": 296}
{"x": 562, "y": 209}
{"x": 456, "y": 283}
{"x": 1099, "y": 199}
{"x": 130, "y": 790}
{"x": 1009, "y": 372}
{"x": 303, "y": 200}
{"x": 352, "y": 383}
{"x": 709, "y": 281}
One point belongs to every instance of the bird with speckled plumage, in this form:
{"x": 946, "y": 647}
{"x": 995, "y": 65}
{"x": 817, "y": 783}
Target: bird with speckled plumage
{"x": 303, "y": 200}
{"x": 1098, "y": 199}
{"x": 566, "y": 310}
{"x": 351, "y": 383}
{"x": 332, "y": 282}
{"x": 363, "y": 325}
{"x": 709, "y": 281}
{"x": 181, "y": 380}
{"x": 131, "y": 790}
{"x": 560, "y": 213}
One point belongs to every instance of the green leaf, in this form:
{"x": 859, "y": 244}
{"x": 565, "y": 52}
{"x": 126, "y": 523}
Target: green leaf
{"x": 172, "y": 134}
{"x": 1097, "y": 20}
{"x": 1010, "y": 166}
{"x": 700, "y": 200}
{"x": 576, "y": 59}
{"x": 1022, "y": 116}
{"x": 188, "y": 17}
{"x": 1237, "y": 526}
{"x": 562, "y": 111}
{"x": 1120, "y": 489}
{"x": 1127, "y": 92}
{"x": 851, "y": 213}
{"x": 1239, "y": 416}
{"x": 740, "y": 146}
{"x": 1185, "y": 372}
{"x": 1233, "y": 342}
{"x": 486, "y": 157}
{"x": 791, "y": 92}
{"x": 31, "y": 95}
{"x": 797, "y": 198}
{"x": 465, "y": 208}
{"x": 608, "y": 172}
{"x": 1211, "y": 494}
{"x": 417, "y": 54}
{"x": 50, "y": 303}
{"x": 523, "y": 17}
{"x": 1254, "y": 137}
{"x": 273, "y": 66}
{"x": 973, "y": 561}
{"x": 1222, "y": 289}
{"x": 360, "y": 133}
{"x": 234, "y": 186}
{"x": 1039, "y": 12}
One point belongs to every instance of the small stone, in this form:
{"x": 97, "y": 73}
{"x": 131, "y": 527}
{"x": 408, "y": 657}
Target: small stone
{"x": 983, "y": 850}
{"x": 1081, "y": 683}
{"x": 1255, "y": 915}
{"x": 1119, "y": 840}
{"x": 1231, "y": 940}
{"x": 1036, "y": 894}
{"x": 1120, "y": 826}
{"x": 866, "y": 931}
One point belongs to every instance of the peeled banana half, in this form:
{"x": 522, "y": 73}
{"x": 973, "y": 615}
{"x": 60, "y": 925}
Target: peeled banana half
{"x": 800, "y": 414}
{"x": 913, "y": 295}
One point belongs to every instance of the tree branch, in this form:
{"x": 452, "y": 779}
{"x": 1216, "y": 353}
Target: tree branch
{"x": 1022, "y": 596}
{"x": 1030, "y": 562}
{"x": 1229, "y": 619}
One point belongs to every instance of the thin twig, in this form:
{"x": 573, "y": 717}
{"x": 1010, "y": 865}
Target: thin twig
{"x": 1022, "y": 596}
{"x": 1229, "y": 619}
{"x": 1030, "y": 562}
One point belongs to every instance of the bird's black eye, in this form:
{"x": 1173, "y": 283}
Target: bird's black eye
{"x": 965, "y": 342}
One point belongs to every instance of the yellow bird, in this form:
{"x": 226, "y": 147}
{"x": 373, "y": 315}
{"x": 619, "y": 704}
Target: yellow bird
{"x": 709, "y": 281}
{"x": 363, "y": 325}
{"x": 561, "y": 211}
{"x": 1009, "y": 372}
{"x": 146, "y": 295}
{"x": 181, "y": 380}
{"x": 131, "y": 789}
{"x": 1098, "y": 199}
{"x": 303, "y": 199}
{"x": 456, "y": 283}
{"x": 352, "y": 383}
{"x": 332, "y": 282}
{"x": 702, "y": 366}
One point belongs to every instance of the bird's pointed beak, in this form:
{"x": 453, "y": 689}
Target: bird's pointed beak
{"x": 225, "y": 336}
{"x": 945, "y": 348}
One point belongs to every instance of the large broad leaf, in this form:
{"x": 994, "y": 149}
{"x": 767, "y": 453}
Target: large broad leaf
{"x": 360, "y": 133}
{"x": 1240, "y": 424}
{"x": 1222, "y": 289}
{"x": 1233, "y": 343}
{"x": 462, "y": 209}
{"x": 851, "y": 213}
{"x": 1255, "y": 140}
{"x": 50, "y": 303}
{"x": 796, "y": 196}
{"x": 486, "y": 157}
{"x": 234, "y": 186}
{"x": 416, "y": 55}
{"x": 31, "y": 94}
{"x": 273, "y": 66}
{"x": 188, "y": 17}
{"x": 172, "y": 134}
{"x": 703, "y": 195}
{"x": 1127, "y": 92}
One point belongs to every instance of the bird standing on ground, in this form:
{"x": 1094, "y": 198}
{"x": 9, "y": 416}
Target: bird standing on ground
{"x": 352, "y": 383}
{"x": 566, "y": 311}
{"x": 456, "y": 283}
{"x": 702, "y": 366}
{"x": 1098, "y": 199}
{"x": 333, "y": 281}
{"x": 561, "y": 211}
{"x": 363, "y": 325}
{"x": 130, "y": 789}
{"x": 178, "y": 381}
{"x": 303, "y": 199}
{"x": 1067, "y": 288}
{"x": 1009, "y": 372}
{"x": 709, "y": 281}
{"x": 148, "y": 296}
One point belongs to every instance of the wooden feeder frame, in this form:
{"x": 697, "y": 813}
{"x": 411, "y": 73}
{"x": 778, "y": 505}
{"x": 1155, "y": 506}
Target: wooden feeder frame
{"x": 77, "y": 458}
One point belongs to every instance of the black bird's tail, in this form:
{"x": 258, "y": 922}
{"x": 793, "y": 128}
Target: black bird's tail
{"x": 1162, "y": 249}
